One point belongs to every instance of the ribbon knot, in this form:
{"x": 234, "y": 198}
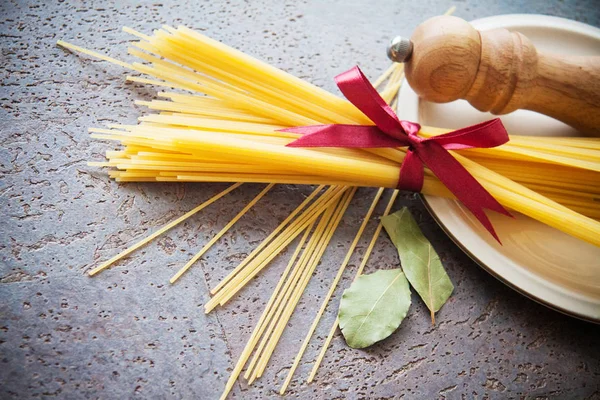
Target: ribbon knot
{"x": 432, "y": 152}
{"x": 411, "y": 129}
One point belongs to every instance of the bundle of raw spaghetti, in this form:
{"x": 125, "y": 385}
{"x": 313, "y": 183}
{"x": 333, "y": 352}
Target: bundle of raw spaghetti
{"x": 225, "y": 126}
{"x": 231, "y": 132}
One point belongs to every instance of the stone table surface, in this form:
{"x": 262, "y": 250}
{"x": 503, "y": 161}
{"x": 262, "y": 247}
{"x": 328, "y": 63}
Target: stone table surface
{"x": 127, "y": 333}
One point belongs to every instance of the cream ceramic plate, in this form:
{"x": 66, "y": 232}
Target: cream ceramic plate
{"x": 539, "y": 261}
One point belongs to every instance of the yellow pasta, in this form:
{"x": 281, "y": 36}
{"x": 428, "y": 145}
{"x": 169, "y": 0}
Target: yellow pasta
{"x": 265, "y": 318}
{"x": 162, "y": 230}
{"x": 268, "y": 239}
{"x": 363, "y": 263}
{"x": 242, "y": 279}
{"x": 221, "y": 233}
{"x": 333, "y": 286}
{"x": 227, "y": 128}
{"x": 321, "y": 245}
{"x": 302, "y": 265}
{"x": 227, "y": 76}
{"x": 279, "y": 243}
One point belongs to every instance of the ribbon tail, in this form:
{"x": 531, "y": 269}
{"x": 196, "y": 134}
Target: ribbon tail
{"x": 461, "y": 183}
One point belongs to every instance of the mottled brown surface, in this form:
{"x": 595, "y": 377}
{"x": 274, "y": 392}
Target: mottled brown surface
{"x": 128, "y": 333}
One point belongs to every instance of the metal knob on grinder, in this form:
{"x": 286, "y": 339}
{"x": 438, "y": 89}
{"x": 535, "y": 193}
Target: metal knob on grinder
{"x": 499, "y": 71}
{"x": 400, "y": 49}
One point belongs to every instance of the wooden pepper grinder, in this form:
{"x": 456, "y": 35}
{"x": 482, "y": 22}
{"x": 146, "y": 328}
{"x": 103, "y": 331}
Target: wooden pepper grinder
{"x": 499, "y": 71}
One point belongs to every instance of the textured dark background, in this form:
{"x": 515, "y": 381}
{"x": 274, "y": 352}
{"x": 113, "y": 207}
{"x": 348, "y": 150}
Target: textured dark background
{"x": 127, "y": 333}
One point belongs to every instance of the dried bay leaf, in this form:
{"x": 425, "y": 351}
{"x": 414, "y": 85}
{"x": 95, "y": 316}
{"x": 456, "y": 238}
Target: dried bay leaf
{"x": 420, "y": 262}
{"x": 373, "y": 307}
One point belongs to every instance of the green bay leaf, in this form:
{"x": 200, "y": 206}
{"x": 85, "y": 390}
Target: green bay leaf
{"x": 373, "y": 307}
{"x": 419, "y": 260}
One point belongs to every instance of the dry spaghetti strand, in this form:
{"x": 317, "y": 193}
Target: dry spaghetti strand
{"x": 368, "y": 252}
{"x": 221, "y": 233}
{"x": 333, "y": 286}
{"x": 162, "y": 230}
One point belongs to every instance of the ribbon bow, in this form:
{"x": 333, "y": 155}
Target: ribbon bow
{"x": 389, "y": 131}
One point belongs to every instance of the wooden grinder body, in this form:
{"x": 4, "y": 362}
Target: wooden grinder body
{"x": 501, "y": 71}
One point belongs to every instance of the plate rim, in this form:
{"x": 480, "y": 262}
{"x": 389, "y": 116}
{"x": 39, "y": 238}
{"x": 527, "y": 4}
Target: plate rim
{"x": 499, "y": 277}
{"x": 507, "y": 21}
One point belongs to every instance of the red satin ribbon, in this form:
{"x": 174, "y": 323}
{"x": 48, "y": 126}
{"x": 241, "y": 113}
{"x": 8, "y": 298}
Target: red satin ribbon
{"x": 389, "y": 131}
